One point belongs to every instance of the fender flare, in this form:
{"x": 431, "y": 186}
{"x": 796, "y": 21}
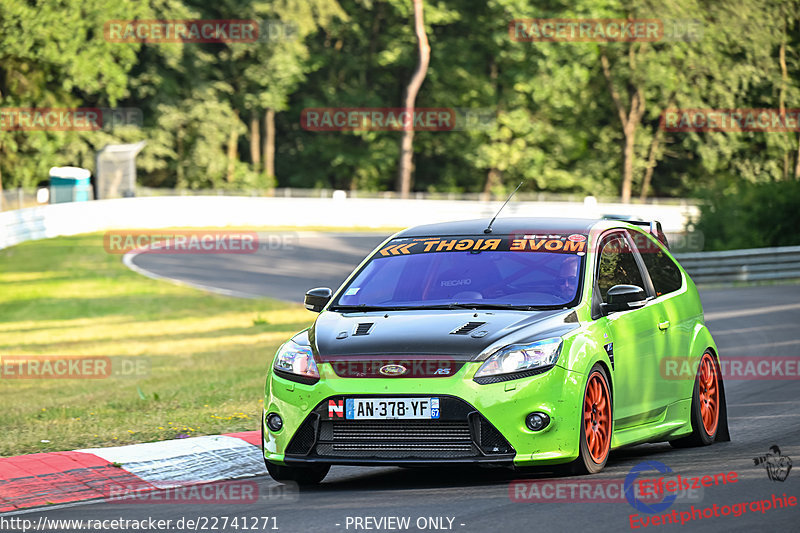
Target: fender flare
{"x": 703, "y": 342}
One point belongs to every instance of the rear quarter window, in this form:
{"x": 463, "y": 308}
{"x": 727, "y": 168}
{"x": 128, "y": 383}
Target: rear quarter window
{"x": 664, "y": 273}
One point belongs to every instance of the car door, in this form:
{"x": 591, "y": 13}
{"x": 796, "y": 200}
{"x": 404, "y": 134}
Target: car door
{"x": 676, "y": 321}
{"x": 633, "y": 334}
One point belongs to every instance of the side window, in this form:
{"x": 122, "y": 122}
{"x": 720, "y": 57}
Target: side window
{"x": 664, "y": 273}
{"x": 617, "y": 265}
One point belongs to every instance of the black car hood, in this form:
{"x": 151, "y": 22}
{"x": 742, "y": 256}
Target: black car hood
{"x": 461, "y": 335}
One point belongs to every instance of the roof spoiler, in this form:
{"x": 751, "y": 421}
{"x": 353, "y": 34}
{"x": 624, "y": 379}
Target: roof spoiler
{"x": 654, "y": 227}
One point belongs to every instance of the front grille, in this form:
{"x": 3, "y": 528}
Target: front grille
{"x": 305, "y": 437}
{"x": 491, "y": 441}
{"x": 395, "y": 451}
{"x": 460, "y": 433}
{"x": 403, "y": 447}
{"x": 407, "y": 430}
{"x": 347, "y": 367}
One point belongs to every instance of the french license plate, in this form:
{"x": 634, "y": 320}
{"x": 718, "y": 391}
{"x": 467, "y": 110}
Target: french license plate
{"x": 391, "y": 408}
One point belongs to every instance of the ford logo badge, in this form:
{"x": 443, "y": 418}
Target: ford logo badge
{"x": 393, "y": 370}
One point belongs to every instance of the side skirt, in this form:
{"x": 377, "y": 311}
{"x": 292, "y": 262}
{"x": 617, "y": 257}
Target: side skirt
{"x": 674, "y": 422}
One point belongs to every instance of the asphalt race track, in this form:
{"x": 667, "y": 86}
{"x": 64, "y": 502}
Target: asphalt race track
{"x": 285, "y": 266}
{"x": 750, "y": 321}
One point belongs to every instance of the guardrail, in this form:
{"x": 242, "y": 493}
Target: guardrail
{"x": 754, "y": 264}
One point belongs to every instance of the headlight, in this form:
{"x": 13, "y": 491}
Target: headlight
{"x": 516, "y": 358}
{"x": 296, "y": 362}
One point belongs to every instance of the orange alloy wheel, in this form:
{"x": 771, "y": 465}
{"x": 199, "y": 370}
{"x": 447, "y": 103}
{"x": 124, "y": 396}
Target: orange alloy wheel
{"x": 597, "y": 417}
{"x": 709, "y": 394}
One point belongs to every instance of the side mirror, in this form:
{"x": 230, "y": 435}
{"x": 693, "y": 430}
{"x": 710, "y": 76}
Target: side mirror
{"x": 623, "y": 298}
{"x": 317, "y": 298}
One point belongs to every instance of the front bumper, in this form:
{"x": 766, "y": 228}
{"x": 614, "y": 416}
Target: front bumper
{"x": 461, "y": 434}
{"x": 482, "y": 424}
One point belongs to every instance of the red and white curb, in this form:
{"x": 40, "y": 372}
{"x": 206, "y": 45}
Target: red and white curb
{"x": 64, "y": 477}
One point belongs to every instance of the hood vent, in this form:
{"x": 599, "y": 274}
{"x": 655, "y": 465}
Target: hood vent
{"x": 363, "y": 328}
{"x": 466, "y": 328}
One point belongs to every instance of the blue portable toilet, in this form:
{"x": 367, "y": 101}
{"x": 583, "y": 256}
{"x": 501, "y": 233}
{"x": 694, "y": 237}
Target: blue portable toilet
{"x": 69, "y": 184}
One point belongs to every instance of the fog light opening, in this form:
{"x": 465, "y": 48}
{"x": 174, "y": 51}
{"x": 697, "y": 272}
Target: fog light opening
{"x": 274, "y": 422}
{"x": 537, "y": 421}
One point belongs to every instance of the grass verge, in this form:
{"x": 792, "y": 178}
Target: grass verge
{"x": 204, "y": 354}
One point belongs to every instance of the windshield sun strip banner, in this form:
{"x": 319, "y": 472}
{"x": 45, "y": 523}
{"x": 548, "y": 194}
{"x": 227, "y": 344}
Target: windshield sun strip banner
{"x": 574, "y": 243}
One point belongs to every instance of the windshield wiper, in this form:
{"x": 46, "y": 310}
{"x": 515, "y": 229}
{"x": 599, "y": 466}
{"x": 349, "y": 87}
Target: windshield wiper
{"x": 492, "y": 306}
{"x": 478, "y": 306}
{"x": 363, "y": 307}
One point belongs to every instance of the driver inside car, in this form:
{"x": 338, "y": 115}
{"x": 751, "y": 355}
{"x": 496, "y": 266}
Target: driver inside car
{"x": 568, "y": 277}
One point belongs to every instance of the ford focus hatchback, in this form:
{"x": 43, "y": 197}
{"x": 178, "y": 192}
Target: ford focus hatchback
{"x": 526, "y": 343}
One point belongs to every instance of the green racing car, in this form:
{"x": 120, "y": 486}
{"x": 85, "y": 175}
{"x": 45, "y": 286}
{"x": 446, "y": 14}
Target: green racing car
{"x": 521, "y": 342}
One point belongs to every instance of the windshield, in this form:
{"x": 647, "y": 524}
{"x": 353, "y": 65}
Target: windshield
{"x": 478, "y": 272}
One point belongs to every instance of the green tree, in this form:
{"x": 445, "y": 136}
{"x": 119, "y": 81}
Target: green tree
{"x": 55, "y": 55}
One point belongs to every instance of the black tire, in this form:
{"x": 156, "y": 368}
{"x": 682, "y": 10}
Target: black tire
{"x": 700, "y": 436}
{"x": 585, "y": 463}
{"x": 302, "y": 475}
